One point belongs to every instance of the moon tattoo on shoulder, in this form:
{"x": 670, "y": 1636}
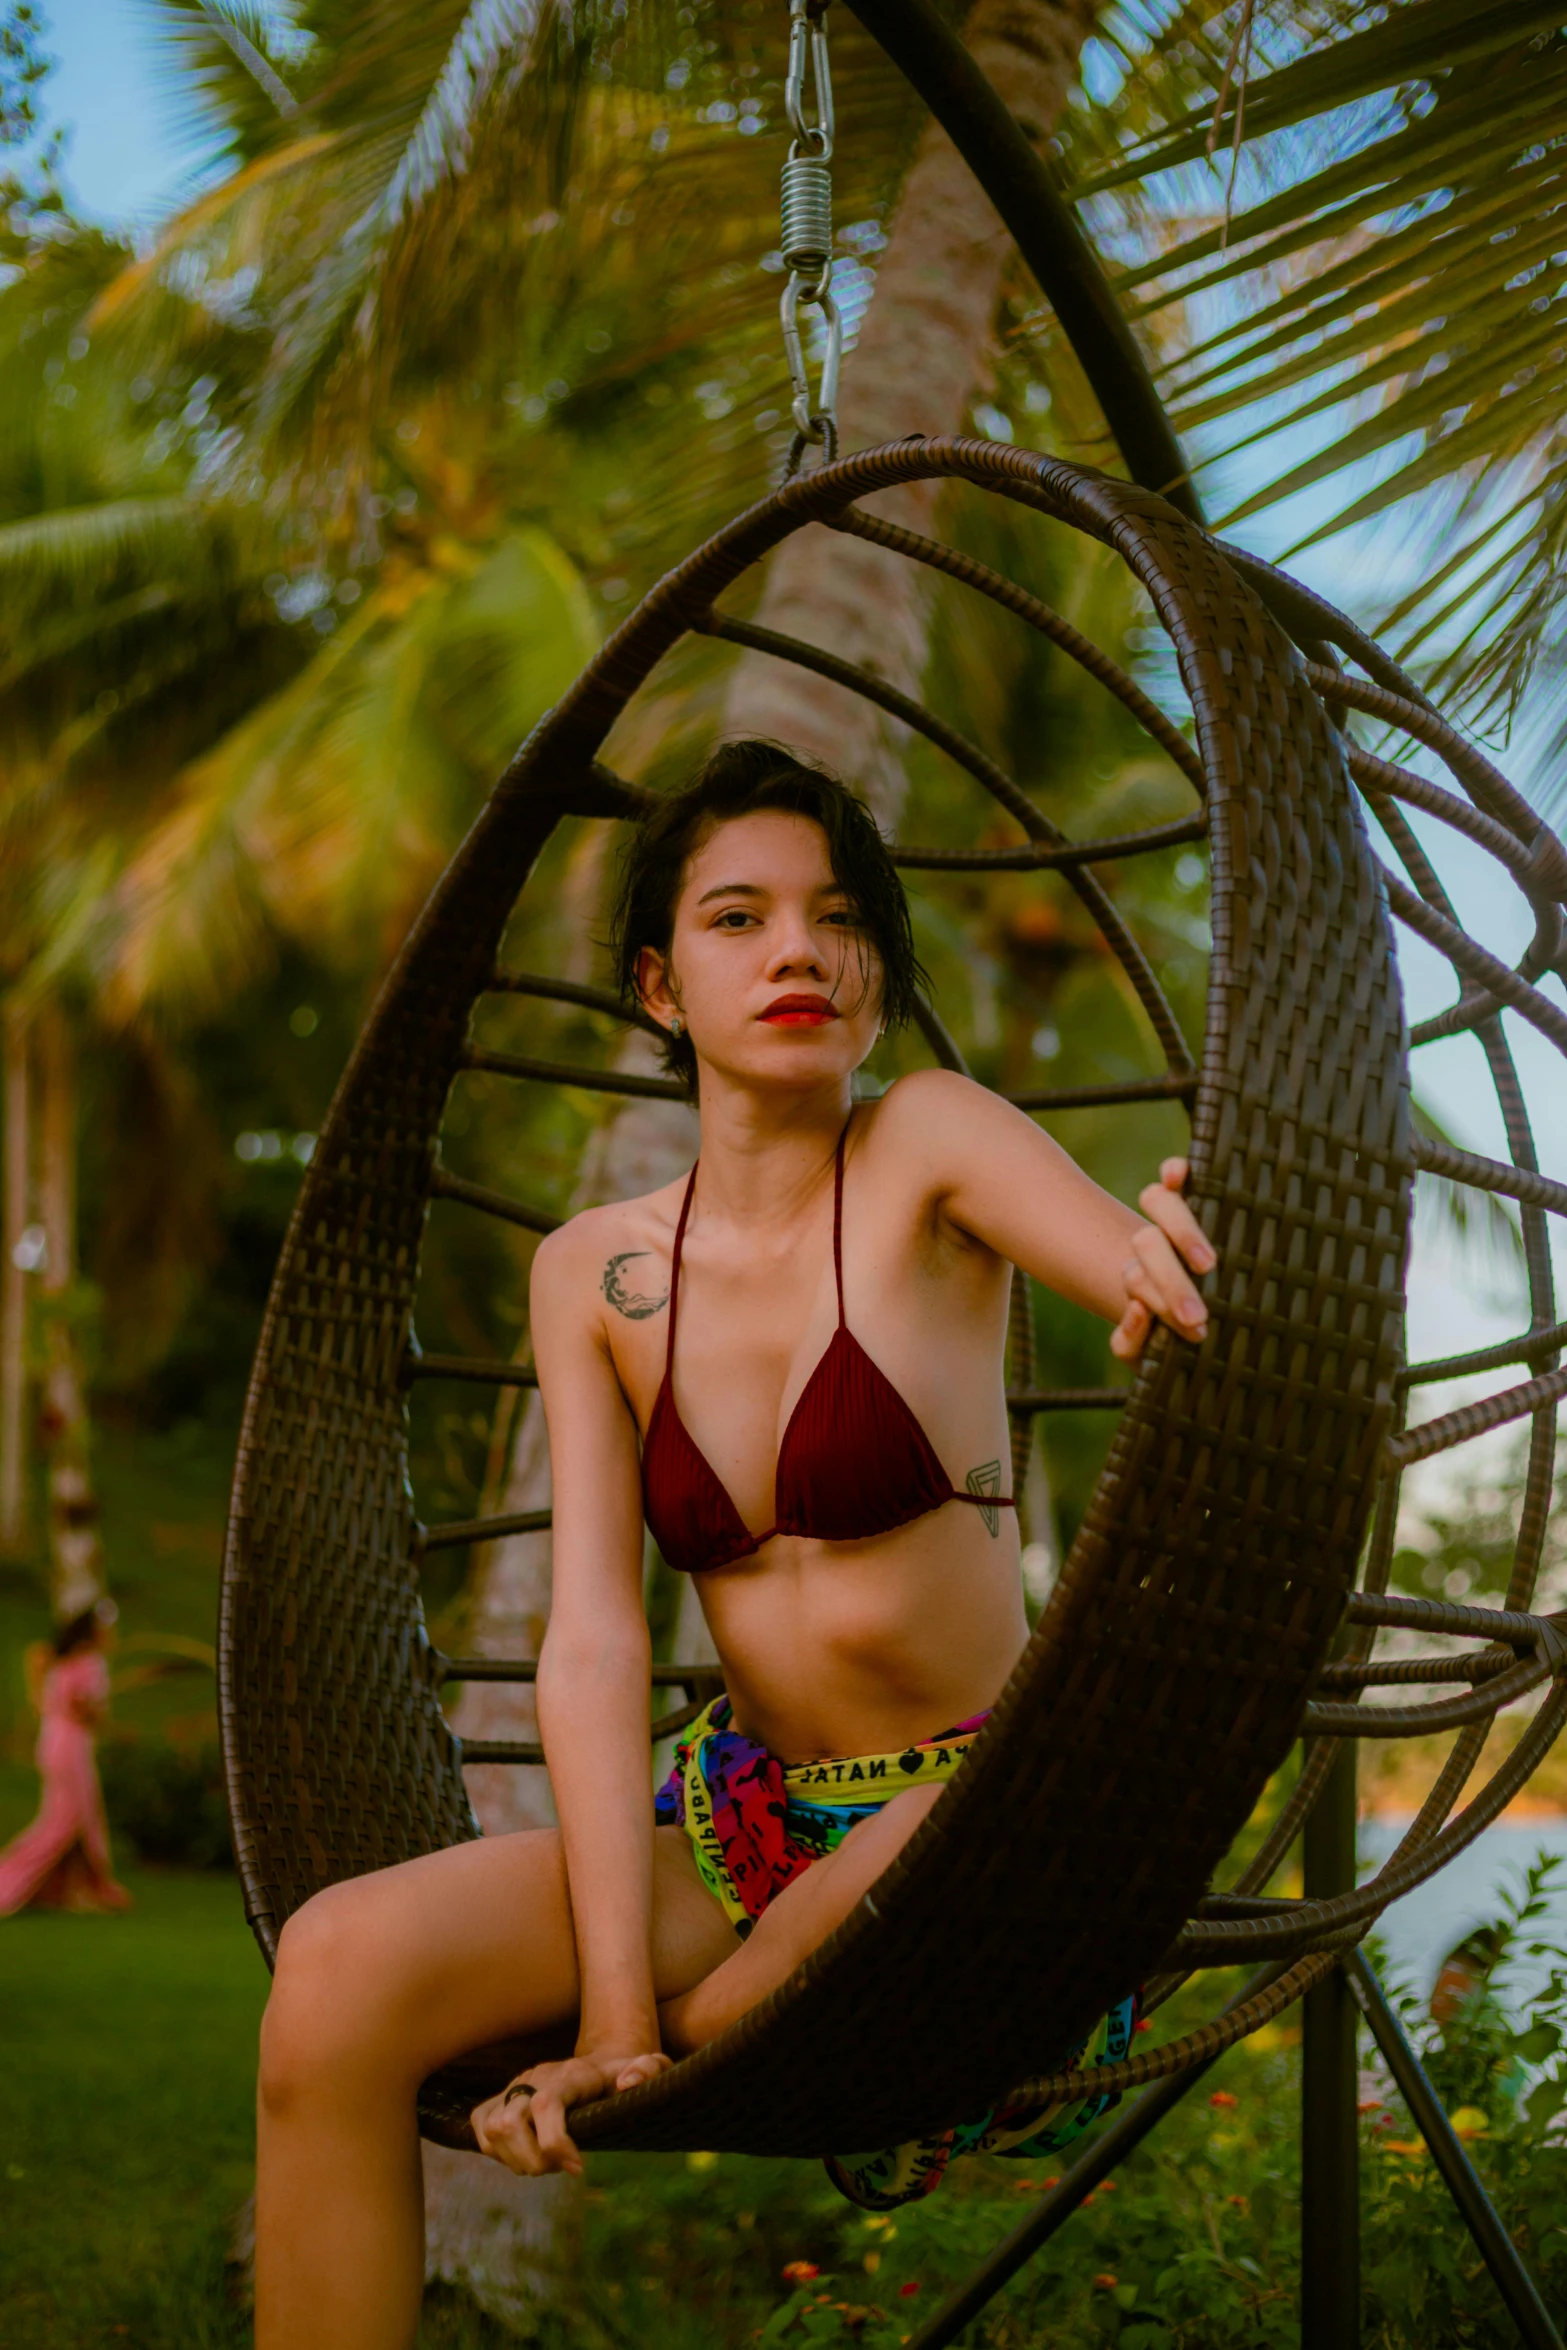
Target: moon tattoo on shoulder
{"x": 636, "y": 1304}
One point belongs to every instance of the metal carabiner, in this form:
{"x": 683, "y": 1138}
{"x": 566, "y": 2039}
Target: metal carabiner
{"x": 812, "y": 423}
{"x": 807, "y": 233}
{"x": 808, "y": 35}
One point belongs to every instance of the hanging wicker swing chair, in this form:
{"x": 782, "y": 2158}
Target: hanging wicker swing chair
{"x": 1186, "y": 1644}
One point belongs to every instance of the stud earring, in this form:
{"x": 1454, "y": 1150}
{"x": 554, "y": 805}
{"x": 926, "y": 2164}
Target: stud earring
{"x": 677, "y": 1026}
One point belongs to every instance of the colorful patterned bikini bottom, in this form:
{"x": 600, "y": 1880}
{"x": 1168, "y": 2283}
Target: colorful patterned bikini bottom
{"x": 756, "y": 1823}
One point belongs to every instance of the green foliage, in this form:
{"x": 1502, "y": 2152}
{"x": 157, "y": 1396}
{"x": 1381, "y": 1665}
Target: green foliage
{"x": 1392, "y": 284}
{"x": 313, "y": 509}
{"x": 470, "y": 197}
{"x": 129, "y": 2097}
{"x": 32, "y": 206}
{"x": 1497, "y": 2065}
{"x": 1466, "y": 1550}
{"x": 23, "y": 67}
{"x": 169, "y": 1801}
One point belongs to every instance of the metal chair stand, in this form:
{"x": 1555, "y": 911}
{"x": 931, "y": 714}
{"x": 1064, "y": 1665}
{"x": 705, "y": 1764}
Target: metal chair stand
{"x": 1330, "y": 2138}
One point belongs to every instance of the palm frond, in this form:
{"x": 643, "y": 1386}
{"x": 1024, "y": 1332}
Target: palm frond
{"x": 494, "y": 228}
{"x": 223, "y": 77}
{"x": 77, "y": 546}
{"x": 139, "y": 280}
{"x": 1412, "y": 42}
{"x": 328, "y": 812}
{"x": 244, "y": 44}
{"x": 1395, "y": 309}
{"x": 492, "y": 35}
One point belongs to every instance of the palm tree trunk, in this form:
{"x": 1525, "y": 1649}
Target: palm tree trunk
{"x": 75, "y": 1549}
{"x": 926, "y": 352}
{"x": 13, "y": 1279}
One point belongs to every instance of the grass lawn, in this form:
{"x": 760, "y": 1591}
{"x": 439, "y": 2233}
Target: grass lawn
{"x": 126, "y": 2136}
{"x": 126, "y": 2084}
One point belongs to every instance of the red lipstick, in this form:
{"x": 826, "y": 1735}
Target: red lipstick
{"x": 800, "y": 1011}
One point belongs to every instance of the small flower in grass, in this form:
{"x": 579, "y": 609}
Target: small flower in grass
{"x": 1144, "y": 2023}
{"x": 1047, "y": 2184}
{"x": 1224, "y": 2101}
{"x": 1371, "y": 2105}
{"x": 1106, "y": 2187}
{"x": 1105, "y": 2282}
{"x": 800, "y": 2272}
{"x": 908, "y": 2291}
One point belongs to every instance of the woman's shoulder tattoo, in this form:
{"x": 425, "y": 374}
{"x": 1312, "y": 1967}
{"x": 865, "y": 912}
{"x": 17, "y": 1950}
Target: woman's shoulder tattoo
{"x": 638, "y": 1305}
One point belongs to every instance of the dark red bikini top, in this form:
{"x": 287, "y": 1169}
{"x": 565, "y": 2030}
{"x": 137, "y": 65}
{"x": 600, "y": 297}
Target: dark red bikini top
{"x": 854, "y": 1460}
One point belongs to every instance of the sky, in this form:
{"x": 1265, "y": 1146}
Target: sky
{"x": 133, "y": 157}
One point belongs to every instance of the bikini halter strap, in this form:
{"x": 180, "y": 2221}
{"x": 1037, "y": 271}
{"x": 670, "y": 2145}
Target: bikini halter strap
{"x": 837, "y": 1220}
{"x": 680, "y": 1241}
{"x": 674, "y": 1264}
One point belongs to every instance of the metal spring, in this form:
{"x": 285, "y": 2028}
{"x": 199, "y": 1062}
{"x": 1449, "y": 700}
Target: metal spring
{"x": 807, "y": 214}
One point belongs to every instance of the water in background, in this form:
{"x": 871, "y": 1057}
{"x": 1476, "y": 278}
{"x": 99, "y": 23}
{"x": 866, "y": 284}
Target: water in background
{"x": 1420, "y": 1930}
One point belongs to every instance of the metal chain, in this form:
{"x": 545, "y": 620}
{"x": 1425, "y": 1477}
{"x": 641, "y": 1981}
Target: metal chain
{"x": 807, "y": 233}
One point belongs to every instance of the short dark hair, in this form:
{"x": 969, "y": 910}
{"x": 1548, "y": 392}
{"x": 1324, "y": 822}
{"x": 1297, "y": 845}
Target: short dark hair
{"x": 740, "y": 779}
{"x": 76, "y": 1632}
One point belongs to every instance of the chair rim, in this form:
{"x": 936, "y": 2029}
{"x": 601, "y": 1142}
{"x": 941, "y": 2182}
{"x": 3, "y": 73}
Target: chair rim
{"x": 553, "y": 775}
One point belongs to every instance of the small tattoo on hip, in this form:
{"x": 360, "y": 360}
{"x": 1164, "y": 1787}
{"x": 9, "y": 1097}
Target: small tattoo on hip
{"x": 984, "y": 1482}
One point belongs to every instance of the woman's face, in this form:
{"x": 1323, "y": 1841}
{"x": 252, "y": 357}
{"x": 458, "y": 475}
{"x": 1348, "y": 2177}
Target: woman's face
{"x": 775, "y": 982}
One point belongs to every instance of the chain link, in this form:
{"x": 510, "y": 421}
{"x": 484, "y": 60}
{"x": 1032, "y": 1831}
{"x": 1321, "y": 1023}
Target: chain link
{"x": 807, "y": 233}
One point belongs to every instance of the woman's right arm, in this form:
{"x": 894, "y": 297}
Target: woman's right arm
{"x": 593, "y": 1697}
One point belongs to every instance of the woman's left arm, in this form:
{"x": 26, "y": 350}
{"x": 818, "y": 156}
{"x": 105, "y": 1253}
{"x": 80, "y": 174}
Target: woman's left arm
{"x": 998, "y": 1177}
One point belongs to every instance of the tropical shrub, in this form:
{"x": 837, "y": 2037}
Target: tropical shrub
{"x": 168, "y": 1801}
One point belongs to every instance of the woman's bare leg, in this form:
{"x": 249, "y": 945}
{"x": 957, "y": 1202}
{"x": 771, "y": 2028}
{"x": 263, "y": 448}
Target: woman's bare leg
{"x": 380, "y": 1981}
{"x": 794, "y": 1925}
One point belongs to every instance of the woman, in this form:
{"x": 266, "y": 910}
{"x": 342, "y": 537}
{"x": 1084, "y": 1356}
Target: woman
{"x": 791, "y": 1364}
{"x": 62, "y": 1860}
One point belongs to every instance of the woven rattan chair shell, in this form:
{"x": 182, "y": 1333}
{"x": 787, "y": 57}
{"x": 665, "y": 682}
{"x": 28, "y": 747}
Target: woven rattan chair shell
{"x": 1170, "y": 1669}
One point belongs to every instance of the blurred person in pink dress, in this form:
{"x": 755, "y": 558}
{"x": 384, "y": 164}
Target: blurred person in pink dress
{"x": 62, "y": 1860}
